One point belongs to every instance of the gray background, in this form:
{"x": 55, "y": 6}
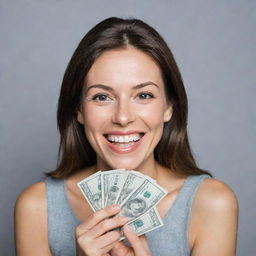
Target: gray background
{"x": 214, "y": 45}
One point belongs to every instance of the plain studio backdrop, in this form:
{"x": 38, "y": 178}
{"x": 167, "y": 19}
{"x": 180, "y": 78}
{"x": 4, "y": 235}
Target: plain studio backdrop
{"x": 214, "y": 44}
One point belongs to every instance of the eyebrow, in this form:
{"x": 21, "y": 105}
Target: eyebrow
{"x": 108, "y": 88}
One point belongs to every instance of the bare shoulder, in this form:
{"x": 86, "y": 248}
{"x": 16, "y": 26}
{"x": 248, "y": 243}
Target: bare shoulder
{"x": 31, "y": 221}
{"x": 32, "y": 202}
{"x": 214, "y": 214}
{"x": 215, "y": 195}
{"x": 32, "y": 198}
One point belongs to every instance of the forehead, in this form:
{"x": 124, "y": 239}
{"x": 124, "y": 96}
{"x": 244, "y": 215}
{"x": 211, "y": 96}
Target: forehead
{"x": 128, "y": 66}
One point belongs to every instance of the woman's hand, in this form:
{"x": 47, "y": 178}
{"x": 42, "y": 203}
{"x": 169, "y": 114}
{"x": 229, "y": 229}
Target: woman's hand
{"x": 139, "y": 245}
{"x": 96, "y": 237}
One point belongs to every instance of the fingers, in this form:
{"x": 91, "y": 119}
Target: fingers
{"x": 100, "y": 246}
{"x": 108, "y": 241}
{"x": 106, "y": 225}
{"x": 104, "y": 244}
{"x": 96, "y": 236}
{"x": 144, "y": 242}
{"x": 139, "y": 246}
{"x": 97, "y": 217}
{"x": 120, "y": 249}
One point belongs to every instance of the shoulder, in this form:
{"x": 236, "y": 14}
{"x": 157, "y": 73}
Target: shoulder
{"x": 215, "y": 195}
{"x": 32, "y": 198}
{"x": 31, "y": 235}
{"x": 214, "y": 214}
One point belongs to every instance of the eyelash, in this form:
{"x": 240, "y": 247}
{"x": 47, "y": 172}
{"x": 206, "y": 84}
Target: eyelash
{"x": 148, "y": 94}
{"x": 96, "y": 97}
{"x": 99, "y": 95}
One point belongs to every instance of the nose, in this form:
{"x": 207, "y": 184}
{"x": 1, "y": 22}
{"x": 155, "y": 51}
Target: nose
{"x": 123, "y": 113}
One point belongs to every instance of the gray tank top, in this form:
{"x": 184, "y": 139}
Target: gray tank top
{"x": 169, "y": 240}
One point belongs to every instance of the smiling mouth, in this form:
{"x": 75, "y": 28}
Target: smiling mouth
{"x": 124, "y": 141}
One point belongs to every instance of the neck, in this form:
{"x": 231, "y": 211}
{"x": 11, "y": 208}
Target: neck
{"x": 149, "y": 167}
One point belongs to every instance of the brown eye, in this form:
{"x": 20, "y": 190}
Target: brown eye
{"x": 145, "y": 96}
{"x": 101, "y": 97}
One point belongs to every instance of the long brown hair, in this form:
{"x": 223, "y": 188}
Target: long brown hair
{"x": 75, "y": 152}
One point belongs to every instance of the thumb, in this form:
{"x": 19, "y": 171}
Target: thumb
{"x": 139, "y": 245}
{"x": 120, "y": 249}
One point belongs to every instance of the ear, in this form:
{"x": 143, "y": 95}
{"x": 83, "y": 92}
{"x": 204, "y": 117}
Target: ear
{"x": 168, "y": 113}
{"x": 80, "y": 118}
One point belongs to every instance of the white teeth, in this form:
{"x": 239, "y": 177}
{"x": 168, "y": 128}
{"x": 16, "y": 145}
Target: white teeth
{"x": 126, "y": 138}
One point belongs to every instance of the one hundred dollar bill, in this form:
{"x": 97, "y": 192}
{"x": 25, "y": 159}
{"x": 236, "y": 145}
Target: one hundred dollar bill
{"x": 92, "y": 190}
{"x": 147, "y": 222}
{"x": 142, "y": 199}
{"x": 132, "y": 182}
{"x": 112, "y": 182}
{"x": 136, "y": 193}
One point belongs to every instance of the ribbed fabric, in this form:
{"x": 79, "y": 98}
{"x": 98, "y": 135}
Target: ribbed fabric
{"x": 61, "y": 220}
{"x": 172, "y": 238}
{"x": 169, "y": 240}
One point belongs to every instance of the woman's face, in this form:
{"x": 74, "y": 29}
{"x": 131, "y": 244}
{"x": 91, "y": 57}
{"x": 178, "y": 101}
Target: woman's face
{"x": 124, "y": 109}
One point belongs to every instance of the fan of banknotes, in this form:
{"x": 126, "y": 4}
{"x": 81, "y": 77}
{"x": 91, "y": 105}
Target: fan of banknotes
{"x": 137, "y": 194}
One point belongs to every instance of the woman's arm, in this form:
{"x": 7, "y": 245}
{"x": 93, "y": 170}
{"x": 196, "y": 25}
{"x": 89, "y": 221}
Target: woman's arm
{"x": 31, "y": 222}
{"x": 214, "y": 220}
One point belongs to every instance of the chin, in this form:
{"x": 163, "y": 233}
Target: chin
{"x": 125, "y": 165}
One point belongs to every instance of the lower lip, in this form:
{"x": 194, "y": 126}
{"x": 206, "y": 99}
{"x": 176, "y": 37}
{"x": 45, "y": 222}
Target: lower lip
{"x": 124, "y": 150}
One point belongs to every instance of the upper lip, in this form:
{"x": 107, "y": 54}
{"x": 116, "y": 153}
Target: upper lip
{"x": 123, "y": 133}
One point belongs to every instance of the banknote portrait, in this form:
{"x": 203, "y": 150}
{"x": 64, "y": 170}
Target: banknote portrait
{"x": 135, "y": 207}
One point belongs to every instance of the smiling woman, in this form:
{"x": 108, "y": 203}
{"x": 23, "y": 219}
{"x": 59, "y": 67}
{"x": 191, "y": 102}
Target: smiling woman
{"x": 122, "y": 100}
{"x": 123, "y": 105}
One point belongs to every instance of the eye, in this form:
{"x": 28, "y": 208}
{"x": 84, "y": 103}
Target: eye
{"x": 101, "y": 97}
{"x": 145, "y": 95}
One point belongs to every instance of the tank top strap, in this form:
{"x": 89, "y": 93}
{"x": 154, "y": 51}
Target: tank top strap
{"x": 175, "y": 229}
{"x": 61, "y": 220}
{"x": 188, "y": 191}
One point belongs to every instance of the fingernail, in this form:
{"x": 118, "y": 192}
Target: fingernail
{"x": 124, "y": 219}
{"x": 127, "y": 228}
{"x": 115, "y": 207}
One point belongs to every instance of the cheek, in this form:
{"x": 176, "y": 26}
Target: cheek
{"x": 95, "y": 119}
{"x": 153, "y": 115}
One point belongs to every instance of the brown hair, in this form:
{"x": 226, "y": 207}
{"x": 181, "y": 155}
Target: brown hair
{"x": 75, "y": 152}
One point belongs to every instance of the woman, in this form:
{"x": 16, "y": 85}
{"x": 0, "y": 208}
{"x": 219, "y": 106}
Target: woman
{"x": 123, "y": 81}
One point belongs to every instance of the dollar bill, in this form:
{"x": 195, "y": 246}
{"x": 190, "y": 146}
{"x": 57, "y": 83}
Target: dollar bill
{"x": 142, "y": 199}
{"x": 147, "y": 222}
{"x": 112, "y": 182}
{"x": 92, "y": 190}
{"x": 136, "y": 193}
{"x": 132, "y": 182}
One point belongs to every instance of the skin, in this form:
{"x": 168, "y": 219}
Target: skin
{"x": 124, "y": 108}
{"x": 215, "y": 209}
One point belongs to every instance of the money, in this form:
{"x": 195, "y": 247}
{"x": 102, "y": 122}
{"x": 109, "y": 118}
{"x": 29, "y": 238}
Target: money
{"x": 137, "y": 194}
{"x": 143, "y": 199}
{"x": 132, "y": 182}
{"x": 146, "y": 223}
{"x": 92, "y": 190}
{"x": 113, "y": 182}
